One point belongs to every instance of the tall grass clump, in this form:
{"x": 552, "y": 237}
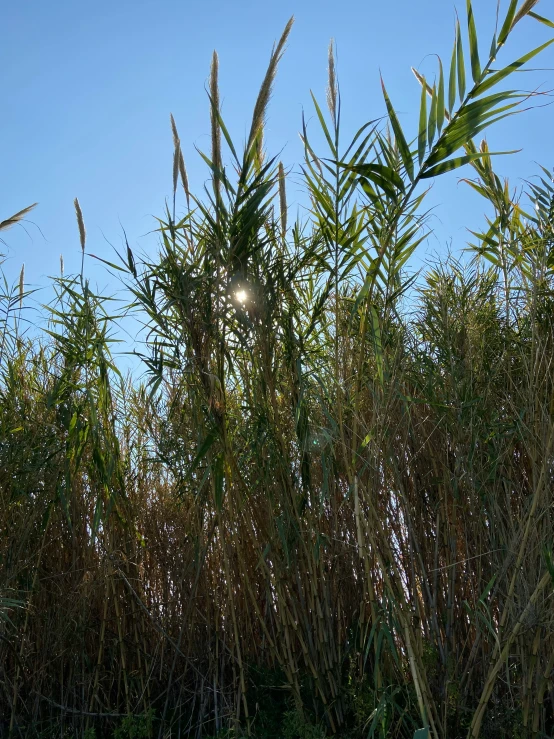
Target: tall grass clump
{"x": 327, "y": 506}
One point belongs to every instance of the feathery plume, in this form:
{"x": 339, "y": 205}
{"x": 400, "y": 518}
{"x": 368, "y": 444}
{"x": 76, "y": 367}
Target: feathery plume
{"x": 332, "y": 86}
{"x": 16, "y": 217}
{"x": 176, "y": 139}
{"x": 176, "y": 153}
{"x": 260, "y": 108}
{"x": 184, "y": 178}
{"x": 214, "y": 117}
{"x": 81, "y": 224}
{"x": 21, "y": 284}
{"x": 179, "y": 162}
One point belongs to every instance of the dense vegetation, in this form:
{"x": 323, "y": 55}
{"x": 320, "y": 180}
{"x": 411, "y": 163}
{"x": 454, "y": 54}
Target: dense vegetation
{"x": 328, "y": 506}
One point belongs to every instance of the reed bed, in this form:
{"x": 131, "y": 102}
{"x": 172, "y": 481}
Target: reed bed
{"x": 327, "y": 506}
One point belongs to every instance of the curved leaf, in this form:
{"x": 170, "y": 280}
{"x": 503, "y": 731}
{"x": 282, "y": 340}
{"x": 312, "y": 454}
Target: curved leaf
{"x": 385, "y": 177}
{"x": 493, "y": 79}
{"x": 451, "y": 164}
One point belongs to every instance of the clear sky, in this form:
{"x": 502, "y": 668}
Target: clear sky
{"x": 88, "y": 88}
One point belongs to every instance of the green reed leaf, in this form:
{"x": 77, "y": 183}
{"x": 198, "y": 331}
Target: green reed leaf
{"x": 422, "y": 136}
{"x": 452, "y": 80}
{"x": 399, "y": 134}
{"x": 440, "y": 99}
{"x": 508, "y": 23}
{"x": 494, "y": 48}
{"x": 457, "y": 162}
{"x": 385, "y": 177}
{"x": 497, "y": 77}
{"x": 433, "y": 117}
{"x": 460, "y": 63}
{"x": 473, "y": 45}
{"x": 541, "y": 19}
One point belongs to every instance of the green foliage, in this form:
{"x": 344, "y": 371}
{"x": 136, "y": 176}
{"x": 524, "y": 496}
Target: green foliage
{"x": 136, "y": 727}
{"x": 296, "y": 726}
{"x": 326, "y": 509}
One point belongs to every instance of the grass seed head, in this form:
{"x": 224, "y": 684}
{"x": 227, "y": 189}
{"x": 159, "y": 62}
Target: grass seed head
{"x": 332, "y": 86}
{"x": 81, "y": 224}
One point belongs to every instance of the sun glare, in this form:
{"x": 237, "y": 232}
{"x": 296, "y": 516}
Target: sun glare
{"x": 241, "y": 296}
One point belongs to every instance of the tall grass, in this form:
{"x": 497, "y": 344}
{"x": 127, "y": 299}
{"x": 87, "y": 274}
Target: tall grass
{"x": 328, "y": 506}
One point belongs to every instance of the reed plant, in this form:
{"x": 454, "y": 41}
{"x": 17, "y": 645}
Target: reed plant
{"x": 326, "y": 508}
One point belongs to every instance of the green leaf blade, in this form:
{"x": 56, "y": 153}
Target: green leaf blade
{"x": 422, "y": 136}
{"x": 473, "y": 45}
{"x": 377, "y": 173}
{"x": 399, "y": 135}
{"x": 460, "y": 63}
{"x": 440, "y": 99}
{"x": 452, "y": 81}
{"x": 508, "y": 23}
{"x": 457, "y": 162}
{"x": 432, "y": 129}
{"x": 542, "y": 19}
{"x": 497, "y": 77}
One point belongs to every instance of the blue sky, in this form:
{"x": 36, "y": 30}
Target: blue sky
{"x": 88, "y": 88}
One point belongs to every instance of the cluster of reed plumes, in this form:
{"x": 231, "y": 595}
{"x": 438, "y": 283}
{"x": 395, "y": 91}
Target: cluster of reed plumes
{"x": 328, "y": 506}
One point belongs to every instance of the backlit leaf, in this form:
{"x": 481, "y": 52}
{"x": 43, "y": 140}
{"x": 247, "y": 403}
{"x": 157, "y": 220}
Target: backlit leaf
{"x": 451, "y": 164}
{"x": 493, "y": 79}
{"x": 399, "y": 135}
{"x": 379, "y": 173}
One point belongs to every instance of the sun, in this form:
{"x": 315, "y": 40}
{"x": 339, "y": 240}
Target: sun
{"x": 241, "y": 296}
